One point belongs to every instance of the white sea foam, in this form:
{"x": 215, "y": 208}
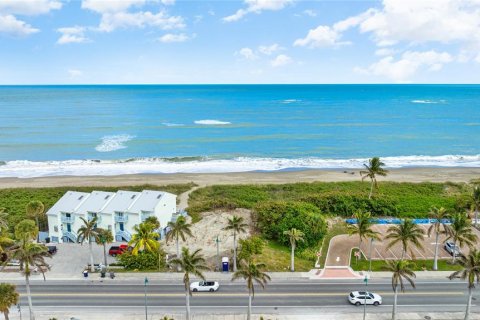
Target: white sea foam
{"x": 112, "y": 143}
{"x": 287, "y": 101}
{"x": 427, "y": 101}
{"x": 211, "y": 122}
{"x": 168, "y": 124}
{"x": 27, "y": 169}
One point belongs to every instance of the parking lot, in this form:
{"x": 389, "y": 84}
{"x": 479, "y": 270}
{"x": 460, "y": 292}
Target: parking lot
{"x": 380, "y": 251}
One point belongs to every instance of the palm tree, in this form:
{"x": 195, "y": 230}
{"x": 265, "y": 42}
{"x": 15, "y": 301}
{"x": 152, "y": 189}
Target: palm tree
{"x": 104, "y": 236}
{"x": 471, "y": 271}
{"x": 461, "y": 232}
{"x": 144, "y": 239}
{"x": 191, "y": 263}
{"x": 89, "y": 233}
{"x": 406, "y": 233}
{"x": 237, "y": 225}
{"x": 294, "y": 236}
{"x": 5, "y": 242}
{"x": 252, "y": 273}
{"x": 153, "y": 220}
{"x": 440, "y": 215}
{"x": 30, "y": 255}
{"x": 178, "y": 229}
{"x": 363, "y": 227}
{"x": 373, "y": 169}
{"x": 476, "y": 201}
{"x": 8, "y": 297}
{"x": 26, "y": 230}
{"x": 402, "y": 269}
{"x": 35, "y": 209}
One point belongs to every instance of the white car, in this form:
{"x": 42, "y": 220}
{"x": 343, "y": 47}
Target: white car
{"x": 361, "y": 297}
{"x": 210, "y": 286}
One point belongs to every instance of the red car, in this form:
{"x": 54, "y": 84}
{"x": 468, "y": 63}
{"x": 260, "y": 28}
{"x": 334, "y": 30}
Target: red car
{"x": 116, "y": 250}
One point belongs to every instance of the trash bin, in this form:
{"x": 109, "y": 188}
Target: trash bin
{"x": 112, "y": 275}
{"x": 225, "y": 264}
{"x": 47, "y": 240}
{"x": 102, "y": 274}
{"x": 85, "y": 273}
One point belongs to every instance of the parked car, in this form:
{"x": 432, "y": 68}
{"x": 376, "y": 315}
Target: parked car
{"x": 361, "y": 297}
{"x": 52, "y": 249}
{"x": 451, "y": 247}
{"x": 116, "y": 250}
{"x": 210, "y": 286}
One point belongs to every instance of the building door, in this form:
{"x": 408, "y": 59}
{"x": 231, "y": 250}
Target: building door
{"x": 120, "y": 225}
{"x": 69, "y": 227}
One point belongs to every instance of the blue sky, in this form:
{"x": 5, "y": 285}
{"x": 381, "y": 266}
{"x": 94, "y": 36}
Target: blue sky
{"x": 250, "y": 41}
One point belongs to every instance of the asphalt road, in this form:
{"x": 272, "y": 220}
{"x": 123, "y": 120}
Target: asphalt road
{"x": 437, "y": 295}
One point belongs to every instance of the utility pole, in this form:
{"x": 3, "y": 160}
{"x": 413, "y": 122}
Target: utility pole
{"x": 365, "y": 297}
{"x": 218, "y": 254}
{"x": 370, "y": 254}
{"x": 146, "y": 313}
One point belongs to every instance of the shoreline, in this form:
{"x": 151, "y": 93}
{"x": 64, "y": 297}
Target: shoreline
{"x": 458, "y": 174}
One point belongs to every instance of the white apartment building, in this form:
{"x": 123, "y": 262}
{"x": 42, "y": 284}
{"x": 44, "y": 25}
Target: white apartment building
{"x": 118, "y": 212}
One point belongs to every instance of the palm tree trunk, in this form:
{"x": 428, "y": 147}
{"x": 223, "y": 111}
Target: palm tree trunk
{"x": 38, "y": 225}
{"x": 187, "y": 302}
{"x": 476, "y": 217}
{"x": 105, "y": 254}
{"x": 371, "y": 190}
{"x": 435, "y": 258}
{"x": 454, "y": 251}
{"x": 5, "y": 314}
{"x": 292, "y": 258}
{"x": 234, "y": 251}
{"x": 359, "y": 247}
{"x": 469, "y": 303}
{"x": 92, "y": 267}
{"x": 178, "y": 255}
{"x": 29, "y": 296}
{"x": 394, "y": 311}
{"x": 249, "y": 313}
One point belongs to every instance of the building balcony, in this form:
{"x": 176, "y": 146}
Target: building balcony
{"x": 67, "y": 219}
{"x": 121, "y": 218}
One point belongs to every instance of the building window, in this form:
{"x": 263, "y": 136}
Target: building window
{"x": 55, "y": 228}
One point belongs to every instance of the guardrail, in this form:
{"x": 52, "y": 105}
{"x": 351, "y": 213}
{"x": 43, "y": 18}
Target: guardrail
{"x": 70, "y": 236}
{"x": 121, "y": 218}
{"x": 399, "y": 221}
{"x": 65, "y": 219}
{"x": 123, "y": 234}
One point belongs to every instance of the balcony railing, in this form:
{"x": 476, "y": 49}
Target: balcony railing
{"x": 66, "y": 219}
{"x": 123, "y": 235}
{"x": 121, "y": 218}
{"x": 69, "y": 236}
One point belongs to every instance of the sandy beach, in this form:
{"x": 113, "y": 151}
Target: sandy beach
{"x": 204, "y": 179}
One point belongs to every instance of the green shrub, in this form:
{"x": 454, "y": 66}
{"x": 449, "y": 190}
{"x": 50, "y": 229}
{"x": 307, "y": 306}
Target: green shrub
{"x": 250, "y": 247}
{"x": 275, "y": 217}
{"x": 144, "y": 261}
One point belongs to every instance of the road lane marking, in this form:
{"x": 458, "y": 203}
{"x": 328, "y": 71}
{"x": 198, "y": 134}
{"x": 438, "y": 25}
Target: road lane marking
{"x": 220, "y": 294}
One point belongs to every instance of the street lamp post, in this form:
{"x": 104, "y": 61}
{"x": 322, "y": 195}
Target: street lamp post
{"x": 146, "y": 312}
{"x": 370, "y": 257}
{"x": 217, "y": 241}
{"x": 365, "y": 297}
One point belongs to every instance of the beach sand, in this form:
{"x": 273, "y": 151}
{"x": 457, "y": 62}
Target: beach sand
{"x": 203, "y": 179}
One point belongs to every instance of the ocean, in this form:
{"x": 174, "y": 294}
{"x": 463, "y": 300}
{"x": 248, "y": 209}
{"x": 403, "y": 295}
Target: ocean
{"x": 107, "y": 130}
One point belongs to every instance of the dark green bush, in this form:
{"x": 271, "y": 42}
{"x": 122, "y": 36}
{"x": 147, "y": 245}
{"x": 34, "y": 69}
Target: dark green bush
{"x": 275, "y": 217}
{"x": 250, "y": 247}
{"x": 144, "y": 261}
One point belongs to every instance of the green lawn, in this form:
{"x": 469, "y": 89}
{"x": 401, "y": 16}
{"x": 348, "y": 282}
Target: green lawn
{"x": 420, "y": 265}
{"x": 277, "y": 258}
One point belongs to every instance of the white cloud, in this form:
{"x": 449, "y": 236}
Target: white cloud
{"x": 110, "y": 6}
{"x": 29, "y": 7}
{"x": 257, "y": 6}
{"x": 281, "y": 60}
{"x": 170, "y": 37}
{"x": 72, "y": 35}
{"x": 168, "y": 2}
{"x": 384, "y": 52}
{"x": 310, "y": 13}
{"x": 74, "y": 73}
{"x": 112, "y": 21}
{"x": 14, "y": 27}
{"x": 403, "y": 69}
{"x": 247, "y": 53}
{"x": 322, "y": 36}
{"x": 268, "y": 50}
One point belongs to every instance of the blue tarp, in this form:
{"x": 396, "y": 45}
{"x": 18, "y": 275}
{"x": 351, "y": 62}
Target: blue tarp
{"x": 399, "y": 221}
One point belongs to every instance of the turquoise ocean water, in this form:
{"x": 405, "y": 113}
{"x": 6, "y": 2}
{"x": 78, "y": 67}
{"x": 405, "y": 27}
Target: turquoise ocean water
{"x": 85, "y": 130}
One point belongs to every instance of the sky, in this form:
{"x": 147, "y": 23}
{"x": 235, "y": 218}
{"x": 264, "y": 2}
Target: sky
{"x": 249, "y": 41}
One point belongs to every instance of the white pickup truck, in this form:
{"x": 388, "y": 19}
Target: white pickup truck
{"x": 210, "y": 286}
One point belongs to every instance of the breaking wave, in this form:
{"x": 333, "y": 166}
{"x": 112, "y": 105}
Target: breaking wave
{"x": 113, "y": 143}
{"x": 211, "y": 122}
{"x": 28, "y": 169}
{"x": 428, "y": 101}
